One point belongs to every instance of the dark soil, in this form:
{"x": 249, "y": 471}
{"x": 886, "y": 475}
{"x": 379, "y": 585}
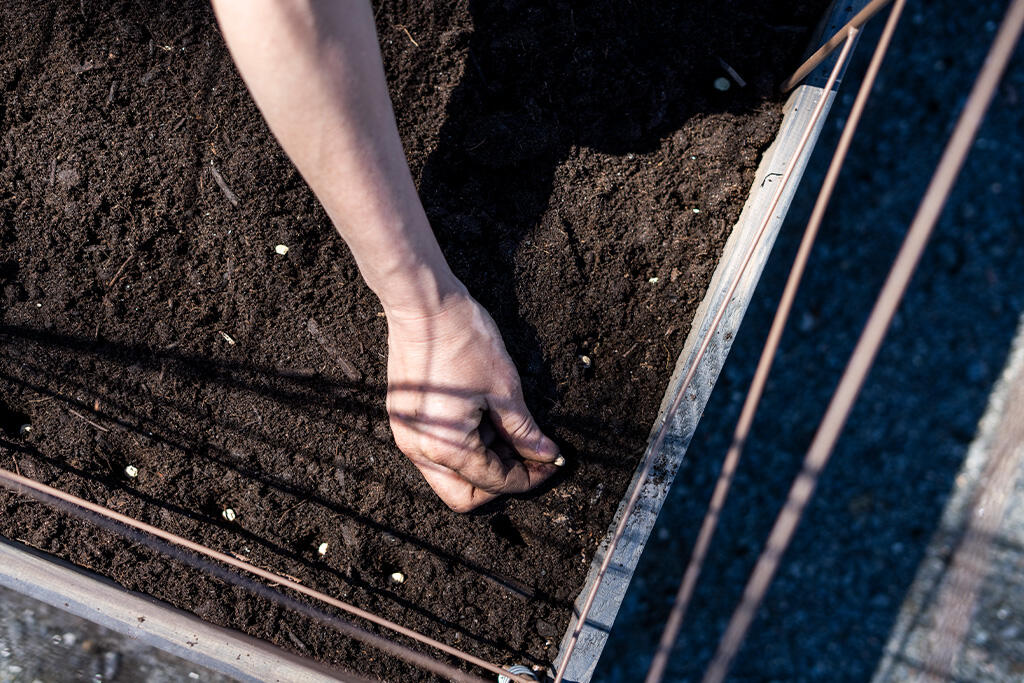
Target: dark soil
{"x": 581, "y": 172}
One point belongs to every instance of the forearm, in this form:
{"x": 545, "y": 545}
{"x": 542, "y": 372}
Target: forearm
{"x": 314, "y": 70}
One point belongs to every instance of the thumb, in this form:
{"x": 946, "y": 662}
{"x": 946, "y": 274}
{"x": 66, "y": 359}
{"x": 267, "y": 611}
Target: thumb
{"x": 516, "y": 426}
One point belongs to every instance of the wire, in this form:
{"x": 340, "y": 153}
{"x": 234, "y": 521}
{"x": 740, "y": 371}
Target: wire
{"x": 870, "y": 341}
{"x": 858, "y": 20}
{"x": 74, "y": 505}
{"x": 659, "y": 440}
{"x": 746, "y": 419}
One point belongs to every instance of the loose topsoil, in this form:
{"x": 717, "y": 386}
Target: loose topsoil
{"x": 581, "y": 171}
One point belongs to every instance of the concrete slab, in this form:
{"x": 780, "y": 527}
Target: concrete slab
{"x": 963, "y": 618}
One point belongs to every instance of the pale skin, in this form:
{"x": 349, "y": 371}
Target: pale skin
{"x": 454, "y": 399}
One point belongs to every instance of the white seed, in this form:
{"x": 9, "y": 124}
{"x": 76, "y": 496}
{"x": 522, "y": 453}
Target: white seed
{"x": 653, "y": 280}
{"x": 24, "y": 429}
{"x": 585, "y": 361}
{"x": 281, "y": 249}
{"x": 398, "y": 577}
{"x": 132, "y": 471}
{"x": 322, "y": 549}
{"x": 696, "y": 210}
{"x": 227, "y": 337}
{"x": 722, "y": 83}
{"x": 228, "y": 514}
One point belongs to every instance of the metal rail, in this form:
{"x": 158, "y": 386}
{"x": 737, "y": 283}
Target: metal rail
{"x": 659, "y": 440}
{"x": 746, "y": 420}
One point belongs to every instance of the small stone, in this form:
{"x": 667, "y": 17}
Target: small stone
{"x": 111, "y": 665}
{"x": 322, "y": 549}
{"x": 722, "y": 83}
{"x": 281, "y": 249}
{"x": 193, "y": 675}
{"x": 229, "y": 514}
{"x": 68, "y": 177}
{"x": 546, "y": 629}
{"x": 397, "y": 577}
{"x": 132, "y": 471}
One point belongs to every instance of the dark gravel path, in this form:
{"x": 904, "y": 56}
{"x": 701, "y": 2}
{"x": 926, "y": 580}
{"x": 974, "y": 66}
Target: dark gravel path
{"x": 839, "y": 590}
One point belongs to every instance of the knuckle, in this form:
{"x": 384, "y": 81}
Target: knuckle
{"x": 448, "y": 455}
{"x": 520, "y": 425}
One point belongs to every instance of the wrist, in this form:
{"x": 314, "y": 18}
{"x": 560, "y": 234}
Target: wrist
{"x": 419, "y": 291}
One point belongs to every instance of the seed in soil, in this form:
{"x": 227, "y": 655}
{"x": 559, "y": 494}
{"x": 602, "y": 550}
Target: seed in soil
{"x": 586, "y": 362}
{"x": 322, "y": 549}
{"x": 228, "y": 514}
{"x": 281, "y": 249}
{"x": 24, "y": 429}
{"x": 132, "y": 471}
{"x": 397, "y": 577}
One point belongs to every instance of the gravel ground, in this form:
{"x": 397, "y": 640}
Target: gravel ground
{"x": 834, "y": 602}
{"x": 42, "y": 643}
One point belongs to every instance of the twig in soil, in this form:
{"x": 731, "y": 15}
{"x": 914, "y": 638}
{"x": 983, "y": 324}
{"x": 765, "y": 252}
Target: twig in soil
{"x": 407, "y": 34}
{"x": 53, "y": 171}
{"x": 219, "y": 179}
{"x": 346, "y": 366}
{"x": 295, "y": 639}
{"x": 87, "y": 420}
{"x": 113, "y": 91}
{"x": 120, "y": 271}
{"x": 732, "y": 72}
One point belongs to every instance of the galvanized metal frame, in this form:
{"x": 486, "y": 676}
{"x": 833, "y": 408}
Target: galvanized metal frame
{"x": 782, "y": 154}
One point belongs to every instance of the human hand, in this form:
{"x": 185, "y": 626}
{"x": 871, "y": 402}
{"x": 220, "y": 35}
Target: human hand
{"x": 456, "y": 407}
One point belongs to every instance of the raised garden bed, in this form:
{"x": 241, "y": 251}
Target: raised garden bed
{"x": 582, "y": 172}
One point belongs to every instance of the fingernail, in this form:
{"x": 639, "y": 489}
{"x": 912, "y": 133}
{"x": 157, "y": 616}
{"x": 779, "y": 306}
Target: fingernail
{"x": 547, "y": 448}
{"x": 559, "y": 461}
